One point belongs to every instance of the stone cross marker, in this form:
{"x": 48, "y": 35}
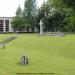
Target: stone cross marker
{"x": 41, "y": 27}
{"x": 24, "y": 60}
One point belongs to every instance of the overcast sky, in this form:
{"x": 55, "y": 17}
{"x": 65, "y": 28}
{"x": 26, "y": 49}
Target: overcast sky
{"x": 8, "y": 7}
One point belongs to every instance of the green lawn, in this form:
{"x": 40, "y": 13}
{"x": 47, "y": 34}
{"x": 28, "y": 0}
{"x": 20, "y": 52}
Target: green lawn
{"x": 52, "y": 54}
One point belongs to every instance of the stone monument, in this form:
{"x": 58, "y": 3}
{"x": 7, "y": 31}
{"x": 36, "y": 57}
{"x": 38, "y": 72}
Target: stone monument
{"x": 41, "y": 27}
{"x": 24, "y": 60}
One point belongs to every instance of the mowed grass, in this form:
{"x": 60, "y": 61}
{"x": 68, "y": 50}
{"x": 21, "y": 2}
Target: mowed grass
{"x": 53, "y": 54}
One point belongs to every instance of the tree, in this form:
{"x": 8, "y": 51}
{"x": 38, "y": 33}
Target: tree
{"x": 19, "y": 11}
{"x": 29, "y": 12}
{"x": 68, "y": 8}
{"x": 18, "y": 24}
{"x": 54, "y": 22}
{"x": 18, "y": 21}
{"x": 42, "y": 12}
{"x": 52, "y": 15}
{"x": 25, "y": 19}
{"x": 70, "y": 3}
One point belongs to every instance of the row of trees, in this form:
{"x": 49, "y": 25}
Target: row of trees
{"x": 57, "y": 15}
{"x": 25, "y": 18}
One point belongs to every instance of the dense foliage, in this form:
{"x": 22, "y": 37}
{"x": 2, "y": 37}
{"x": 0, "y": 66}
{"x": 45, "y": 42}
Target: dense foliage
{"x": 57, "y": 15}
{"x": 25, "y": 19}
{"x": 18, "y": 24}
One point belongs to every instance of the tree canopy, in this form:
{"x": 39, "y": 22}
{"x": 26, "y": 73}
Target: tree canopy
{"x": 57, "y": 15}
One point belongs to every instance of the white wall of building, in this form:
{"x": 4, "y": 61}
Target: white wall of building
{"x": 4, "y": 26}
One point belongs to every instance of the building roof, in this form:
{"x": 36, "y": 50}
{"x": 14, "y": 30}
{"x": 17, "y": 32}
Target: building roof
{"x": 6, "y": 17}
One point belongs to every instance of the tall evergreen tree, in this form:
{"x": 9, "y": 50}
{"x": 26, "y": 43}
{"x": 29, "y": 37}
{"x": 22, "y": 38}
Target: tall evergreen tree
{"x": 29, "y": 12}
{"x": 29, "y": 8}
{"x": 18, "y": 22}
{"x": 19, "y": 11}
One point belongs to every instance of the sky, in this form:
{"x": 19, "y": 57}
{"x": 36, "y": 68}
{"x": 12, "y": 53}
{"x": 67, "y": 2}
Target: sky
{"x": 8, "y": 7}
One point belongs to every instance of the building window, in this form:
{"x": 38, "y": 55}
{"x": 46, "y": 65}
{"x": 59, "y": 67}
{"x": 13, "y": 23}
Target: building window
{"x": 7, "y": 25}
{"x": 1, "y": 25}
